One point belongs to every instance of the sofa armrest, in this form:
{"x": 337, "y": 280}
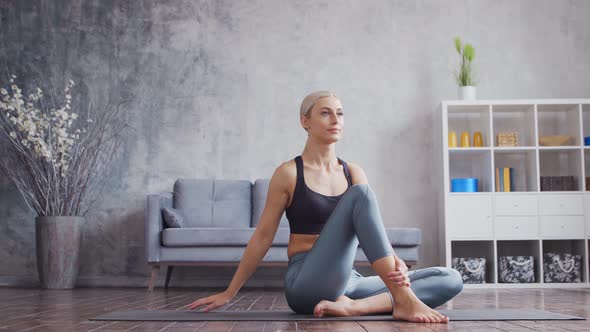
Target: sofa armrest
{"x": 154, "y": 224}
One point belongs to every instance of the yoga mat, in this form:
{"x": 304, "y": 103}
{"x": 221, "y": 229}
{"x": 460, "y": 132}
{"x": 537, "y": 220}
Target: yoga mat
{"x": 286, "y": 315}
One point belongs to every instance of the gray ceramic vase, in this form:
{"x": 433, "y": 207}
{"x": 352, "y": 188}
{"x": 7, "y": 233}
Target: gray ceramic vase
{"x": 58, "y": 244}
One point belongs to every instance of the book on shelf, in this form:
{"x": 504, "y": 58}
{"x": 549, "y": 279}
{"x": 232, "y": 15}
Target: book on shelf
{"x": 558, "y": 183}
{"x": 505, "y": 179}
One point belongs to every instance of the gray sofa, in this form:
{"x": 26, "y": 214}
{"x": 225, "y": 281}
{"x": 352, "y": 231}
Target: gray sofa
{"x": 219, "y": 218}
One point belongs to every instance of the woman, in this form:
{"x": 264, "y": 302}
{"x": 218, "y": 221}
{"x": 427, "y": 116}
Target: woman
{"x": 331, "y": 210}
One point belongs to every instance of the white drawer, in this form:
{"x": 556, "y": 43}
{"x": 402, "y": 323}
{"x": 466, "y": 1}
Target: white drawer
{"x": 562, "y": 226}
{"x": 517, "y": 205}
{"x": 587, "y": 213}
{"x": 557, "y": 205}
{"x": 516, "y": 227}
{"x": 470, "y": 217}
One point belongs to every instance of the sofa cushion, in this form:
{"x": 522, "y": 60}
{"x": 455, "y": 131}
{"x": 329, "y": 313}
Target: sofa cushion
{"x": 259, "y": 193}
{"x": 216, "y": 236}
{"x": 239, "y": 237}
{"x": 173, "y": 218}
{"x": 274, "y": 254}
{"x": 404, "y": 237}
{"x": 214, "y": 203}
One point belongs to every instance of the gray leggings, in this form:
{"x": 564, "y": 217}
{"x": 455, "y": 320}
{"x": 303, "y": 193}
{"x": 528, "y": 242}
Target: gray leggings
{"x": 326, "y": 271}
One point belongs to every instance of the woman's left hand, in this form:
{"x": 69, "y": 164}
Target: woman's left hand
{"x": 400, "y": 274}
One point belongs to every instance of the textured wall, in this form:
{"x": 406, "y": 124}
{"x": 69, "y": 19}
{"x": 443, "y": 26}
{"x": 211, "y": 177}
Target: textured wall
{"x": 218, "y": 85}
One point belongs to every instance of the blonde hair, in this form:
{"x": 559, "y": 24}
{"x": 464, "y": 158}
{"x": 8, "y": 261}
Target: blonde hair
{"x": 311, "y": 99}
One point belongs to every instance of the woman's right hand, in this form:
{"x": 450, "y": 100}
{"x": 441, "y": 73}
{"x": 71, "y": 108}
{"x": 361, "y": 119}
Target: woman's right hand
{"x": 212, "y": 302}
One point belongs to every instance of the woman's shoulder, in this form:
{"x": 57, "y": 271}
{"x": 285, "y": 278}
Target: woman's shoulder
{"x": 288, "y": 167}
{"x": 356, "y": 173}
{"x": 285, "y": 174}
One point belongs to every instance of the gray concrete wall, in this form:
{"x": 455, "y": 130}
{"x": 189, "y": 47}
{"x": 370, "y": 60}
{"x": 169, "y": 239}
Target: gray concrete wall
{"x": 218, "y": 85}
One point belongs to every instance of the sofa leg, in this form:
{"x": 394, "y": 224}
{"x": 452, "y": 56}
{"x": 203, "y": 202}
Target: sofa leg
{"x": 168, "y": 275}
{"x": 153, "y": 277}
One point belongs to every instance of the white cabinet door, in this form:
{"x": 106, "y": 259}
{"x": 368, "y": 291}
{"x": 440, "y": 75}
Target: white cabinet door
{"x": 587, "y": 213}
{"x": 470, "y": 217}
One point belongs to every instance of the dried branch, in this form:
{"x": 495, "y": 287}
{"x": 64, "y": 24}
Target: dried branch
{"x": 57, "y": 172}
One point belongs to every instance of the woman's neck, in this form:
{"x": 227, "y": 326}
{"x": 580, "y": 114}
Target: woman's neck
{"x": 320, "y": 156}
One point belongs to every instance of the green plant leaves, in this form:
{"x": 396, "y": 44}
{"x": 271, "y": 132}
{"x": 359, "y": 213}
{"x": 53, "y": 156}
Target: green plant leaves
{"x": 458, "y": 45}
{"x": 469, "y": 52}
{"x": 464, "y": 76}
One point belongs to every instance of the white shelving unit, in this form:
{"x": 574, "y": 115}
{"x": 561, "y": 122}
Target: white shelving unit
{"x": 527, "y": 221}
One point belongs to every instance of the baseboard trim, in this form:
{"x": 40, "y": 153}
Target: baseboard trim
{"x": 138, "y": 282}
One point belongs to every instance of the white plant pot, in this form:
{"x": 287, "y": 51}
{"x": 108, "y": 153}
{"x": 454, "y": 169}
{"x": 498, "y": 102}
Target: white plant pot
{"x": 467, "y": 92}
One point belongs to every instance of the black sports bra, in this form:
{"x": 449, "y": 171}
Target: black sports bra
{"x": 310, "y": 210}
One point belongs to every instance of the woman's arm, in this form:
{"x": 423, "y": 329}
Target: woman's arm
{"x": 276, "y": 201}
{"x": 260, "y": 242}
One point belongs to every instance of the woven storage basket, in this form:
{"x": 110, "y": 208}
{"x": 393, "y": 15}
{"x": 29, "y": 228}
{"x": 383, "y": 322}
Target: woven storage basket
{"x": 507, "y": 139}
{"x": 472, "y": 269}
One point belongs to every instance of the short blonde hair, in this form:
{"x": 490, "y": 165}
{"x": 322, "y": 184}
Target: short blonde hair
{"x": 311, "y": 99}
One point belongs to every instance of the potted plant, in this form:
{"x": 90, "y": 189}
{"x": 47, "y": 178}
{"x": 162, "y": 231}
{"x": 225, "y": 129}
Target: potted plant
{"x": 464, "y": 76}
{"x": 57, "y": 158}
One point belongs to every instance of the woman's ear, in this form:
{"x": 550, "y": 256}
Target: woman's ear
{"x": 304, "y": 122}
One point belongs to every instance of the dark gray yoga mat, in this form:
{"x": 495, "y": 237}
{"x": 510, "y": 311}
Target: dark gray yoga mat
{"x": 285, "y": 315}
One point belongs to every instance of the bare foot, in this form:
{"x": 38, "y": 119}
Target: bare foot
{"x": 342, "y": 307}
{"x": 416, "y": 311}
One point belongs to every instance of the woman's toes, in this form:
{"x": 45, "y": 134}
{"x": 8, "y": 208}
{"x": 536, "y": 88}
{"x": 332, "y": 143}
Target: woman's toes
{"x": 440, "y": 317}
{"x": 317, "y": 311}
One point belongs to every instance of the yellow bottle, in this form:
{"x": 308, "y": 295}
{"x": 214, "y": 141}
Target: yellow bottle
{"x": 452, "y": 139}
{"x": 477, "y": 139}
{"x": 465, "y": 140}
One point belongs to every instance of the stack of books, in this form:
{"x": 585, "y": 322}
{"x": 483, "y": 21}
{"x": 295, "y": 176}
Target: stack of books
{"x": 505, "y": 179}
{"x": 558, "y": 183}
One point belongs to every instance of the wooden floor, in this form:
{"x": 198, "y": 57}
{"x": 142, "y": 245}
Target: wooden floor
{"x": 69, "y": 310}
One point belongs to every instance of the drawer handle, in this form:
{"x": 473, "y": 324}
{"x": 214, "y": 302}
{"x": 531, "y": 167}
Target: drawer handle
{"x": 515, "y": 204}
{"x": 562, "y": 226}
{"x": 560, "y": 204}
{"x": 516, "y": 227}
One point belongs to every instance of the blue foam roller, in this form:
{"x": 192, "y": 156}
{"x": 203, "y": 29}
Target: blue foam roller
{"x": 464, "y": 185}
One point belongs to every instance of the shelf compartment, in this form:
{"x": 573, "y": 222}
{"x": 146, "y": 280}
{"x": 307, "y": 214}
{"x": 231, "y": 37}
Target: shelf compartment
{"x": 472, "y": 163}
{"x": 574, "y": 247}
{"x": 476, "y": 249}
{"x": 586, "y": 182}
{"x": 585, "y": 121}
{"x": 559, "y": 119}
{"x": 470, "y": 119}
{"x": 524, "y": 163}
{"x": 515, "y": 118}
{"x": 561, "y": 162}
{"x": 520, "y": 248}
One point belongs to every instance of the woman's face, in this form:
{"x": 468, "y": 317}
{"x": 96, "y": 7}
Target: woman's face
{"x": 326, "y": 120}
